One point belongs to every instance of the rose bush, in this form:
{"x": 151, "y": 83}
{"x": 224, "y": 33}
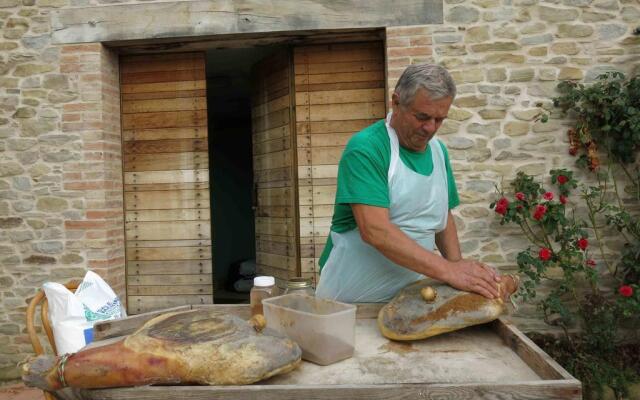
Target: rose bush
{"x": 593, "y": 298}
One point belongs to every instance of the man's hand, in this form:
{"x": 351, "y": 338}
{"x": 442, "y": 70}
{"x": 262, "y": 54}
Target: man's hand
{"x": 474, "y": 276}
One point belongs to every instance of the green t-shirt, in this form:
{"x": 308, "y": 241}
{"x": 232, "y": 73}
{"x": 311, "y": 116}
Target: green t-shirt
{"x": 363, "y": 176}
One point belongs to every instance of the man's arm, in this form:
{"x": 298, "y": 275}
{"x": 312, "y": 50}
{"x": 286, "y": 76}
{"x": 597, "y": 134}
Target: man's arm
{"x": 377, "y": 230}
{"x": 447, "y": 240}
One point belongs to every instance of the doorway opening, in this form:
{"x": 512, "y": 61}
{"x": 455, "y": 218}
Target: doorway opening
{"x": 232, "y": 195}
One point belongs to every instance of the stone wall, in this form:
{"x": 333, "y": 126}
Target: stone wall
{"x": 60, "y": 167}
{"x": 60, "y": 154}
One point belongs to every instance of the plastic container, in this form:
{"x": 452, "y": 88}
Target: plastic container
{"x": 299, "y": 285}
{"x": 324, "y": 329}
{"x": 263, "y": 288}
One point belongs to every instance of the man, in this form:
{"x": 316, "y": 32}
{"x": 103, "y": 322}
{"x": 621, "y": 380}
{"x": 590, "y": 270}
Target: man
{"x": 394, "y": 200}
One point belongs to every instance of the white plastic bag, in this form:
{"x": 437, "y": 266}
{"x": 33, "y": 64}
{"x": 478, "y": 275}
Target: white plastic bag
{"x": 72, "y": 315}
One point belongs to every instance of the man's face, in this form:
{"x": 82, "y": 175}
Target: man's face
{"x": 417, "y": 123}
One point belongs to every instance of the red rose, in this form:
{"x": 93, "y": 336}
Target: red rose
{"x": 563, "y": 199}
{"x": 501, "y": 206}
{"x": 548, "y": 196}
{"x": 544, "y": 254}
{"x": 625, "y": 291}
{"x": 519, "y": 207}
{"x": 583, "y": 243}
{"x": 591, "y": 263}
{"x": 562, "y": 179}
{"x": 520, "y": 196}
{"x": 501, "y": 209}
{"x": 539, "y": 212}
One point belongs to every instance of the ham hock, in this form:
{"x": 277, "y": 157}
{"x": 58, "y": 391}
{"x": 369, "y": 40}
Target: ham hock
{"x": 427, "y": 308}
{"x": 193, "y": 347}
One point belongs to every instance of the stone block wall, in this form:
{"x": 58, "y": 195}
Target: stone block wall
{"x": 60, "y": 146}
{"x": 60, "y": 168}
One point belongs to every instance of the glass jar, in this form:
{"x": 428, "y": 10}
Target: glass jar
{"x": 299, "y": 285}
{"x": 263, "y": 288}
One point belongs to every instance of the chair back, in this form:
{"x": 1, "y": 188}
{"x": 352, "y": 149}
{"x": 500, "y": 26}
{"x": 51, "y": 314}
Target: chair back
{"x": 41, "y": 298}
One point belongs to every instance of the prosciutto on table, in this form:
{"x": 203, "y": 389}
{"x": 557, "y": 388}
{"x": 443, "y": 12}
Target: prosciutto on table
{"x": 192, "y": 347}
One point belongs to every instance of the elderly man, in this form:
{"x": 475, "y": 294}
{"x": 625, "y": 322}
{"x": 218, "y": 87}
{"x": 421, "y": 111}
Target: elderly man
{"x": 394, "y": 200}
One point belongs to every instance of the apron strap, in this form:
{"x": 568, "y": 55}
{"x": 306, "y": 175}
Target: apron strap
{"x": 395, "y": 147}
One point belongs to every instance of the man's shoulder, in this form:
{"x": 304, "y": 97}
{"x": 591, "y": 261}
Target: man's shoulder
{"x": 373, "y": 138}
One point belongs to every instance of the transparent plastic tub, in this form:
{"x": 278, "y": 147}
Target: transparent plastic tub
{"x": 324, "y": 329}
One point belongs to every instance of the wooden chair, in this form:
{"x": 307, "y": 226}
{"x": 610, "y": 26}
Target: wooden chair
{"x": 41, "y": 298}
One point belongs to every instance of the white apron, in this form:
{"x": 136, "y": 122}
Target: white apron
{"x": 355, "y": 271}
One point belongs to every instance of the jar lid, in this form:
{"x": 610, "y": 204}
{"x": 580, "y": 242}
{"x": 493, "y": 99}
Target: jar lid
{"x": 264, "y": 281}
{"x": 298, "y": 283}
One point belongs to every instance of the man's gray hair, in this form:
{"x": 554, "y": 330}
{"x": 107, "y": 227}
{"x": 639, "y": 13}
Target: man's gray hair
{"x": 433, "y": 78}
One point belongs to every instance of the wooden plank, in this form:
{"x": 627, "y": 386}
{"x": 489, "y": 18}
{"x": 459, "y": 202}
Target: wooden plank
{"x": 165, "y": 146}
{"x": 334, "y": 67}
{"x": 334, "y": 126}
{"x": 165, "y": 161}
{"x": 330, "y": 139}
{"x": 169, "y": 290}
{"x": 283, "y": 249}
{"x": 165, "y": 119}
{"x": 332, "y": 54}
{"x": 162, "y": 76}
{"x": 537, "y": 390}
{"x": 275, "y": 226}
{"x": 339, "y": 86}
{"x": 185, "y": 61}
{"x": 173, "y": 176}
{"x": 175, "y": 19}
{"x": 155, "y": 105}
{"x": 272, "y": 106}
{"x": 171, "y": 199}
{"x": 338, "y": 77}
{"x": 275, "y": 211}
{"x": 166, "y": 186}
{"x": 273, "y": 174}
{"x": 163, "y": 87}
{"x": 340, "y": 96}
{"x": 272, "y": 146}
{"x": 168, "y": 243}
{"x": 163, "y": 95}
{"x": 531, "y": 354}
{"x": 275, "y": 160}
{"x": 169, "y": 267}
{"x": 276, "y": 261}
{"x": 271, "y": 120}
{"x": 182, "y": 214}
{"x": 169, "y": 253}
{"x": 270, "y": 134}
{"x": 163, "y": 280}
{"x": 326, "y": 155}
{"x": 329, "y": 112}
{"x": 140, "y": 304}
{"x": 275, "y": 197}
{"x": 167, "y": 230}
{"x": 193, "y": 132}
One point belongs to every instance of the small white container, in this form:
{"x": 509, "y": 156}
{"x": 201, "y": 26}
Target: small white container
{"x": 324, "y": 329}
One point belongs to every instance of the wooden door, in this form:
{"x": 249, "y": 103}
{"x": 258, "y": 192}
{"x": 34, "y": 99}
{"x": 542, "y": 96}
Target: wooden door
{"x": 274, "y": 168}
{"x": 166, "y": 175}
{"x": 339, "y": 89}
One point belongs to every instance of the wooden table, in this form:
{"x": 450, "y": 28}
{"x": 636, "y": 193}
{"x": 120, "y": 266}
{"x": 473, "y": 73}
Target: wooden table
{"x": 492, "y": 361}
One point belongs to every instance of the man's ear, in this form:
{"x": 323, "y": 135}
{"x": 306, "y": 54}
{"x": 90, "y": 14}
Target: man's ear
{"x": 395, "y": 100}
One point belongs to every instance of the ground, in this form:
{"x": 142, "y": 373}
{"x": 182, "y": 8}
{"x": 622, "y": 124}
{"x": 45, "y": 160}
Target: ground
{"x": 17, "y": 391}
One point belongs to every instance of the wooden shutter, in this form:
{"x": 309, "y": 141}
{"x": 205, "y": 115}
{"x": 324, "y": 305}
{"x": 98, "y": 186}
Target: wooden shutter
{"x": 339, "y": 89}
{"x": 167, "y": 213}
{"x": 274, "y": 168}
